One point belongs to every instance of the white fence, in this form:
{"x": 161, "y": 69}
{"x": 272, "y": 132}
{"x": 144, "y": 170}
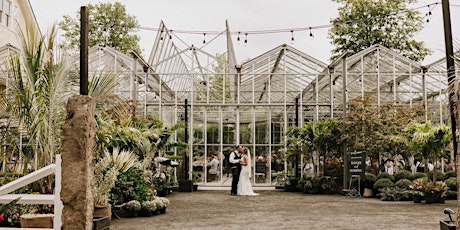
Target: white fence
{"x": 55, "y": 198}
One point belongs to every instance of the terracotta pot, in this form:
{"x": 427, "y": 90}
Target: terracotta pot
{"x": 103, "y": 211}
{"x": 368, "y": 192}
{"x": 37, "y": 221}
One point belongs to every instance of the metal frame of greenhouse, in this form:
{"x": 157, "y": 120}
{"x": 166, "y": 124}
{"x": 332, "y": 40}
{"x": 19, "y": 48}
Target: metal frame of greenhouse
{"x": 253, "y": 103}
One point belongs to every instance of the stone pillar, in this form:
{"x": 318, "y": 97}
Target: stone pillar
{"x": 78, "y": 141}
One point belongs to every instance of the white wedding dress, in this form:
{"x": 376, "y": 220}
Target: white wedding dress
{"x": 244, "y": 184}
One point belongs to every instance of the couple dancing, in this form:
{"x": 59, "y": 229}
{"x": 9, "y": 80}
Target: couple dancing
{"x": 240, "y": 162}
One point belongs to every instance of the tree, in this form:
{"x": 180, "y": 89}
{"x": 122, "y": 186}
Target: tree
{"x": 391, "y": 23}
{"x": 109, "y": 24}
{"x": 374, "y": 128}
{"x": 430, "y": 141}
{"x": 315, "y": 140}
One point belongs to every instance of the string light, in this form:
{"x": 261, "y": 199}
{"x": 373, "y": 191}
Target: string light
{"x": 428, "y": 15}
{"x": 238, "y": 38}
{"x": 291, "y": 30}
{"x": 292, "y": 36}
{"x": 170, "y": 34}
{"x": 204, "y": 38}
{"x": 246, "y": 38}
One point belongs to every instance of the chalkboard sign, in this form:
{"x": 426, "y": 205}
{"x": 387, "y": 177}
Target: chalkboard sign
{"x": 355, "y": 164}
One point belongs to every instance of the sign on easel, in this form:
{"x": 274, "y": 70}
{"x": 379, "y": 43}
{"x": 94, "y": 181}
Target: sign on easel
{"x": 355, "y": 165}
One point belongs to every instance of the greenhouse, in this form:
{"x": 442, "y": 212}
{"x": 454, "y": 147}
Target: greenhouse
{"x": 253, "y": 103}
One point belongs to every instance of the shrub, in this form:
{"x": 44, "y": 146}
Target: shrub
{"x": 417, "y": 175}
{"x": 383, "y": 183}
{"x": 403, "y": 174}
{"x": 451, "y": 195}
{"x": 439, "y": 175}
{"x": 403, "y": 183}
{"x": 149, "y": 207}
{"x": 385, "y": 175}
{"x": 450, "y": 174}
{"x": 327, "y": 184}
{"x": 394, "y": 194}
{"x": 164, "y": 202}
{"x": 369, "y": 180}
{"x": 130, "y": 185}
{"x": 133, "y": 206}
{"x": 452, "y": 183}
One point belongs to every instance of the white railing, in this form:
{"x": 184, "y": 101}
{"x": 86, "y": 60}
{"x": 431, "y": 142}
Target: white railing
{"x": 54, "y": 199}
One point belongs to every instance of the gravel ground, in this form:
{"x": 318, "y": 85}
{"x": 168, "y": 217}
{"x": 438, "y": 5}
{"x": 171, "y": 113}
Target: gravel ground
{"x": 274, "y": 209}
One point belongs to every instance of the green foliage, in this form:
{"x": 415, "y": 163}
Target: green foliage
{"x": 417, "y": 175}
{"x": 450, "y": 174}
{"x": 452, "y": 183}
{"x": 403, "y": 174}
{"x": 390, "y": 23}
{"x": 321, "y": 137}
{"x": 394, "y": 194}
{"x": 130, "y": 185}
{"x": 133, "y": 207}
{"x": 107, "y": 170}
{"x": 377, "y": 129}
{"x": 109, "y": 25}
{"x": 383, "y": 183}
{"x": 431, "y": 142}
{"x": 12, "y": 212}
{"x": 196, "y": 176}
{"x": 403, "y": 183}
{"x": 316, "y": 184}
{"x": 369, "y": 180}
{"x": 37, "y": 92}
{"x": 436, "y": 174}
{"x": 385, "y": 175}
{"x": 149, "y": 207}
{"x": 162, "y": 202}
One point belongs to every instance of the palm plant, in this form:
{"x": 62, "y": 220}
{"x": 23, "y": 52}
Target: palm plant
{"x": 430, "y": 141}
{"x": 106, "y": 172}
{"x": 38, "y": 87}
{"x": 37, "y": 91}
{"x": 320, "y": 138}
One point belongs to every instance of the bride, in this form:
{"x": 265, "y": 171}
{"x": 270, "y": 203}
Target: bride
{"x": 244, "y": 185}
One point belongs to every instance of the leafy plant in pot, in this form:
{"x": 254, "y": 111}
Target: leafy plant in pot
{"x": 369, "y": 180}
{"x": 106, "y": 171}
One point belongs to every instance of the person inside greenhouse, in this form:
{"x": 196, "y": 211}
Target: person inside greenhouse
{"x": 244, "y": 184}
{"x": 235, "y": 165}
{"x": 214, "y": 165}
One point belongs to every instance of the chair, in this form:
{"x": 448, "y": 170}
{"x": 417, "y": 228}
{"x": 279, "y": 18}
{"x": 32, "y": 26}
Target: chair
{"x": 260, "y": 171}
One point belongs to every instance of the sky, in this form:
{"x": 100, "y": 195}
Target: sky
{"x": 246, "y": 15}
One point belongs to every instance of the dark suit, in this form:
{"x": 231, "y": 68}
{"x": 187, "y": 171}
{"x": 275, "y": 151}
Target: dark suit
{"x": 236, "y": 169}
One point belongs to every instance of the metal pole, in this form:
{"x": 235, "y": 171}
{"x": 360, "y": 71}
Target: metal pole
{"x": 450, "y": 68}
{"x": 297, "y": 124}
{"x": 186, "y": 141}
{"x": 84, "y": 50}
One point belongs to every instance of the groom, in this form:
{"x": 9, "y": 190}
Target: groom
{"x": 235, "y": 165}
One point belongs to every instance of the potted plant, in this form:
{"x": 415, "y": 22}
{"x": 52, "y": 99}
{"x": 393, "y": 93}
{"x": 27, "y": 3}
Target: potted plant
{"x": 133, "y": 208}
{"x": 434, "y": 192}
{"x": 148, "y": 208}
{"x": 369, "y": 180}
{"x": 106, "y": 172}
{"x": 196, "y": 176}
{"x": 164, "y": 203}
{"x": 418, "y": 187}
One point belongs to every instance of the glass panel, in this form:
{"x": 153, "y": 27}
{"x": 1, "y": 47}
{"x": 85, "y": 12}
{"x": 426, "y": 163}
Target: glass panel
{"x": 228, "y": 133}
